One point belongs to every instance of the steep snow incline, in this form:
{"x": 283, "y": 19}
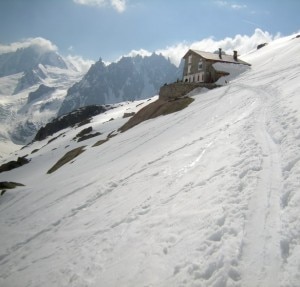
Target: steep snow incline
{"x": 208, "y": 196}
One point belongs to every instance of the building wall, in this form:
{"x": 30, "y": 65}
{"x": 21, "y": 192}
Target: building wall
{"x": 180, "y": 89}
{"x": 192, "y": 73}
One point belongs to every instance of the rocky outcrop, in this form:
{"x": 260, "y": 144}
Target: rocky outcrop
{"x": 156, "y": 109}
{"x": 69, "y": 156}
{"x": 69, "y": 120}
{"x": 13, "y": 164}
{"x": 39, "y": 93}
{"x": 30, "y": 77}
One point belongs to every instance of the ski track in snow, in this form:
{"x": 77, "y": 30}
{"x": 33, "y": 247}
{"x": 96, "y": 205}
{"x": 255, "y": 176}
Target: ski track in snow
{"x": 261, "y": 247}
{"x": 205, "y": 197}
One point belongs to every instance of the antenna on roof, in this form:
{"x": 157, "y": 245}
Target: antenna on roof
{"x": 220, "y": 53}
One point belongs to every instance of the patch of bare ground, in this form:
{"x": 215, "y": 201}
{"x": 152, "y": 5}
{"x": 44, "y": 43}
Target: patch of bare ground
{"x": 14, "y": 164}
{"x": 156, "y": 109}
{"x": 4, "y": 185}
{"x": 67, "y": 158}
{"x": 100, "y": 142}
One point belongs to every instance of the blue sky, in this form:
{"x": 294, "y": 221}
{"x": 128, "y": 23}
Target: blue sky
{"x": 111, "y": 28}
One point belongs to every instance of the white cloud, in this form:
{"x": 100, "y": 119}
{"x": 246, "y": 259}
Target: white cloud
{"x": 221, "y": 3}
{"x": 242, "y": 43}
{"x": 81, "y": 64}
{"x": 227, "y": 4}
{"x": 119, "y": 5}
{"x": 38, "y": 43}
{"x": 141, "y": 52}
{"x": 99, "y": 3}
{"x": 238, "y": 7}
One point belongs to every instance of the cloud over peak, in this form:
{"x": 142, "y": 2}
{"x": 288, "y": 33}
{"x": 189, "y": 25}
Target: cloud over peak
{"x": 118, "y": 5}
{"x": 242, "y": 43}
{"x": 40, "y": 44}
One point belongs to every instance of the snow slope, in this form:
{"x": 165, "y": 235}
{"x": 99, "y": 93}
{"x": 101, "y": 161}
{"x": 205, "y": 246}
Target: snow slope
{"x": 208, "y": 196}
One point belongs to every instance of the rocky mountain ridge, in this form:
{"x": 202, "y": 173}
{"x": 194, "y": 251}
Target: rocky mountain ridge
{"x": 131, "y": 78}
{"x": 27, "y": 59}
{"x": 37, "y": 86}
{"x": 33, "y": 84}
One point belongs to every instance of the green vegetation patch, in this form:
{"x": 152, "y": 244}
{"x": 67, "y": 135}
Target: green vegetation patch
{"x": 158, "y": 108}
{"x": 67, "y": 158}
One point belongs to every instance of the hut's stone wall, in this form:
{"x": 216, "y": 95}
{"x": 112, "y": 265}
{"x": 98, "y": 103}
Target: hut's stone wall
{"x": 180, "y": 89}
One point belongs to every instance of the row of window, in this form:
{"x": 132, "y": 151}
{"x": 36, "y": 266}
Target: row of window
{"x": 194, "y": 78}
{"x": 200, "y": 65}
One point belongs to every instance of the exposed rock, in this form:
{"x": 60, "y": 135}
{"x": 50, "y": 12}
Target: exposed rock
{"x": 67, "y": 158}
{"x": 180, "y": 89}
{"x": 84, "y": 132}
{"x": 39, "y": 93}
{"x": 100, "y": 142}
{"x": 261, "y": 45}
{"x": 89, "y": 136}
{"x": 14, "y": 164}
{"x": 9, "y": 185}
{"x": 155, "y": 109}
{"x": 30, "y": 77}
{"x": 127, "y": 115}
{"x": 69, "y": 120}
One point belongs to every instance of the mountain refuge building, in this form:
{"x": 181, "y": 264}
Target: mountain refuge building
{"x": 205, "y": 67}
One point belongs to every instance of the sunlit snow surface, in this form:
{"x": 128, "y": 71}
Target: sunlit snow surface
{"x": 208, "y": 196}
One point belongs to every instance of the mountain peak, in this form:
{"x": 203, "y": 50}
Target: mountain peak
{"x": 24, "y": 59}
{"x": 130, "y": 78}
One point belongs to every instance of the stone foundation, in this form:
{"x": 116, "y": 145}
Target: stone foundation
{"x": 180, "y": 89}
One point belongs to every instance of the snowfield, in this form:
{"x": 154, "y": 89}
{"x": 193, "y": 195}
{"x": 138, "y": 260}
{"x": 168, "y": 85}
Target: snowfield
{"x": 208, "y": 196}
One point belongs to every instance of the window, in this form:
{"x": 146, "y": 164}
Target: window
{"x": 189, "y": 69}
{"x": 200, "y": 65}
{"x": 190, "y": 59}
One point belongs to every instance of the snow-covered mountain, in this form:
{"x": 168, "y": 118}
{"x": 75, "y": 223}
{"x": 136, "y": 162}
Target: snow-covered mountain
{"x": 208, "y": 196}
{"x": 33, "y": 84}
{"x": 130, "y": 78}
{"x": 26, "y": 59}
{"x": 44, "y": 75}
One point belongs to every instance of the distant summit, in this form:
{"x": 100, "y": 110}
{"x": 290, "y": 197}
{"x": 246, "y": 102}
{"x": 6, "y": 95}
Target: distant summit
{"x": 33, "y": 83}
{"x": 26, "y": 59}
{"x": 131, "y": 78}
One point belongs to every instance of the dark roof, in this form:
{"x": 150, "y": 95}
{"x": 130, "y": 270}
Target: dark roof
{"x": 215, "y": 57}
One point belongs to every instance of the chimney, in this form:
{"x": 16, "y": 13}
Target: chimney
{"x": 220, "y": 53}
{"x": 235, "y": 57}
